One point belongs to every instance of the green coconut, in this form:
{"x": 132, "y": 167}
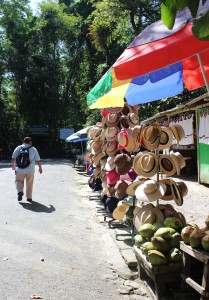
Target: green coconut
{"x": 147, "y": 230}
{"x": 145, "y": 247}
{"x": 175, "y": 240}
{"x": 174, "y": 255}
{"x": 196, "y": 237}
{"x": 165, "y": 232}
{"x": 174, "y": 223}
{"x": 205, "y": 242}
{"x": 158, "y": 225}
{"x": 186, "y": 232}
{"x": 160, "y": 244}
{"x": 139, "y": 240}
{"x": 157, "y": 258}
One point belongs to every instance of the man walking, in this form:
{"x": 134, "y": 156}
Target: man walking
{"x": 24, "y": 158}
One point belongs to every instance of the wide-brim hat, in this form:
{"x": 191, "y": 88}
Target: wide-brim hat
{"x": 112, "y": 148}
{"x": 183, "y": 188}
{"x": 124, "y": 122}
{"x": 97, "y": 131}
{"x": 177, "y": 131}
{"x": 112, "y": 119}
{"x": 168, "y": 193}
{"x": 97, "y": 158}
{"x": 120, "y": 211}
{"x": 114, "y": 110}
{"x": 111, "y": 190}
{"x": 120, "y": 189}
{"x": 96, "y": 172}
{"x": 150, "y": 191}
{"x": 96, "y": 147}
{"x": 112, "y": 133}
{"x": 110, "y": 165}
{"x": 146, "y": 164}
{"x": 137, "y": 132}
{"x": 177, "y": 194}
{"x": 143, "y": 214}
{"x": 179, "y": 161}
{"x": 167, "y": 165}
{"x": 122, "y": 139}
{"x": 131, "y": 144}
{"x": 166, "y": 138}
{"x": 132, "y": 187}
{"x": 127, "y": 109}
{"x": 151, "y": 136}
{"x": 133, "y": 119}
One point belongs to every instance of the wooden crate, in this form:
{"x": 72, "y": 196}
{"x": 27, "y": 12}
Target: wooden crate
{"x": 190, "y": 259}
{"x": 160, "y": 275}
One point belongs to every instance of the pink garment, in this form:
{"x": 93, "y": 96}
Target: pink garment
{"x": 112, "y": 177}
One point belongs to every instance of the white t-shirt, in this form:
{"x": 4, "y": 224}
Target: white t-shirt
{"x": 33, "y": 154}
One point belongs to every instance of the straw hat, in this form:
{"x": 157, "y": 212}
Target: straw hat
{"x": 167, "y": 165}
{"x": 177, "y": 195}
{"x": 177, "y": 131}
{"x": 122, "y": 139}
{"x": 97, "y": 158}
{"x": 145, "y": 164}
{"x": 96, "y": 171}
{"x": 114, "y": 110}
{"x": 102, "y": 123}
{"x": 96, "y": 133}
{"x": 183, "y": 188}
{"x": 112, "y": 120}
{"x": 131, "y": 144}
{"x": 110, "y": 165}
{"x": 179, "y": 161}
{"x": 150, "y": 191}
{"x": 112, "y": 148}
{"x": 143, "y": 215}
{"x": 111, "y": 133}
{"x": 137, "y": 132}
{"x": 132, "y": 187}
{"x": 132, "y": 119}
{"x": 111, "y": 190}
{"x": 96, "y": 147}
{"x": 168, "y": 193}
{"x": 120, "y": 189}
{"x": 127, "y": 109}
{"x": 119, "y": 211}
{"x": 124, "y": 122}
{"x": 151, "y": 136}
{"x": 166, "y": 138}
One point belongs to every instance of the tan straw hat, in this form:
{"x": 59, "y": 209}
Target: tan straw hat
{"x": 132, "y": 187}
{"x": 111, "y": 133}
{"x": 146, "y": 164}
{"x": 177, "y": 131}
{"x": 114, "y": 110}
{"x": 167, "y": 165}
{"x": 132, "y": 119}
{"x": 179, "y": 160}
{"x": 120, "y": 210}
{"x": 151, "y": 136}
{"x": 112, "y": 120}
{"x": 150, "y": 191}
{"x": 166, "y": 138}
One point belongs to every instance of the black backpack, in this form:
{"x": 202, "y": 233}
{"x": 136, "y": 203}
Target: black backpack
{"x": 23, "y": 160}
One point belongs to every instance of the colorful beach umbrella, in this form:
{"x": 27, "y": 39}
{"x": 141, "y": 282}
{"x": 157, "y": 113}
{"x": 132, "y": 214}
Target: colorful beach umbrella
{"x": 155, "y": 65}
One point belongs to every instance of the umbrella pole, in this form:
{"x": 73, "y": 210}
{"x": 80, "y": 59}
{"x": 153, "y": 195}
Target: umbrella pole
{"x": 203, "y": 72}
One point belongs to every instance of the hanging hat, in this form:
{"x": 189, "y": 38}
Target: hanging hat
{"x": 150, "y": 191}
{"x": 131, "y": 144}
{"x": 97, "y": 158}
{"x": 179, "y": 161}
{"x": 112, "y": 120}
{"x": 96, "y": 134}
{"x": 111, "y": 190}
{"x": 127, "y": 109}
{"x": 119, "y": 211}
{"x": 96, "y": 147}
{"x": 124, "y": 122}
{"x": 110, "y": 165}
{"x": 146, "y": 164}
{"x": 151, "y": 136}
{"x": 112, "y": 177}
{"x": 112, "y": 148}
{"x": 137, "y": 132}
{"x": 96, "y": 171}
{"x": 167, "y": 165}
{"x": 102, "y": 123}
{"x": 183, "y": 188}
{"x": 132, "y": 119}
{"x": 123, "y": 163}
{"x": 132, "y": 187}
{"x": 166, "y": 138}
{"x": 122, "y": 139}
{"x": 177, "y": 131}
{"x": 111, "y": 133}
{"x": 168, "y": 193}
{"x": 177, "y": 195}
{"x": 120, "y": 189}
{"x": 143, "y": 214}
{"x": 114, "y": 110}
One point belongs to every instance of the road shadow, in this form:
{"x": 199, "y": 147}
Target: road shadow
{"x": 38, "y": 207}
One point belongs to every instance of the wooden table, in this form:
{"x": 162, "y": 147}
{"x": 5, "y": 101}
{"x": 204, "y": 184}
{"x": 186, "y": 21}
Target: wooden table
{"x": 189, "y": 256}
{"x": 160, "y": 275}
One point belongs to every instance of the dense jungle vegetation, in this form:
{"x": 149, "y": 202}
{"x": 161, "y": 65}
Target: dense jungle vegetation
{"x": 50, "y": 60}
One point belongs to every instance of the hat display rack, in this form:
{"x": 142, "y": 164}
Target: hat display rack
{"x": 129, "y": 158}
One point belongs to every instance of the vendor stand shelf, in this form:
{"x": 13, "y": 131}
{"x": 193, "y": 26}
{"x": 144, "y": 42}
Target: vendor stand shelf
{"x": 160, "y": 275}
{"x": 195, "y": 263}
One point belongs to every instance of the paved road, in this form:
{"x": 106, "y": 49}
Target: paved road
{"x": 54, "y": 246}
